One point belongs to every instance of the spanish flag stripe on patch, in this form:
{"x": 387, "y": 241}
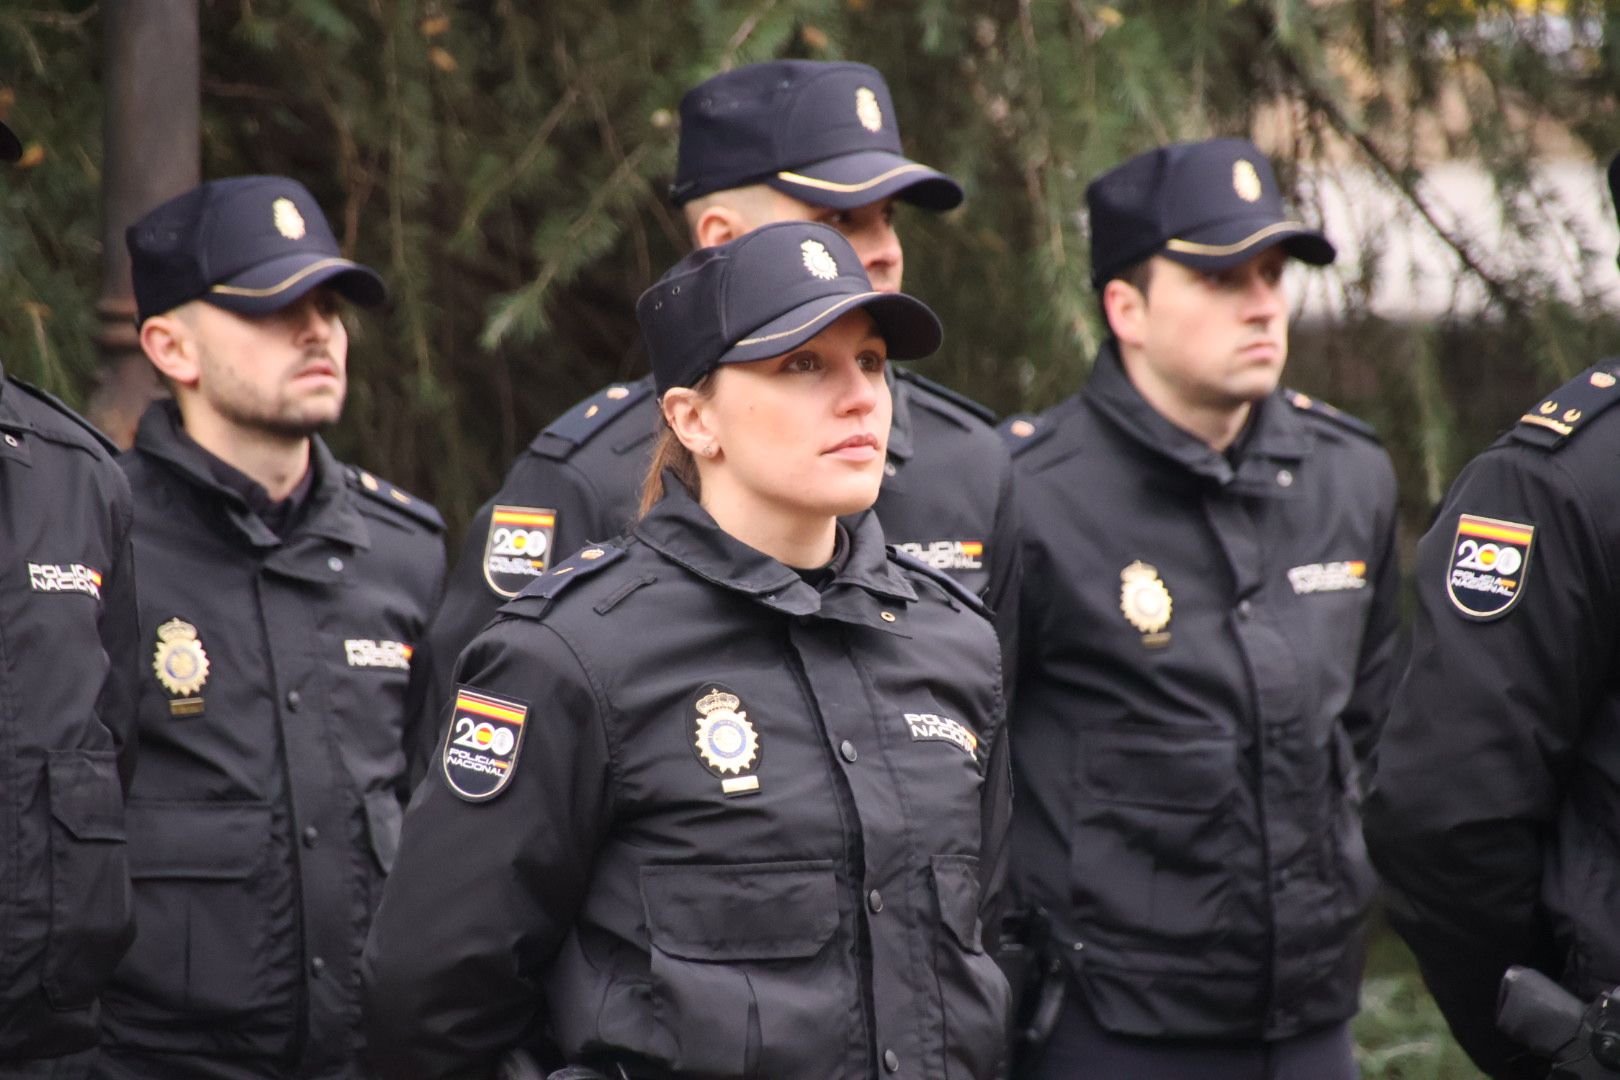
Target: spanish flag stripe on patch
{"x": 498, "y": 710}
{"x": 1491, "y": 529}
{"x": 508, "y": 517}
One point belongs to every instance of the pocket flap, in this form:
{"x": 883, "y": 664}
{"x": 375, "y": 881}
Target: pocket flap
{"x": 384, "y": 816}
{"x": 746, "y": 911}
{"x": 86, "y": 795}
{"x": 956, "y": 883}
{"x": 201, "y": 840}
{"x": 1164, "y": 769}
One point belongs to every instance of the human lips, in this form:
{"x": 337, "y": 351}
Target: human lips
{"x": 321, "y": 368}
{"x": 862, "y": 446}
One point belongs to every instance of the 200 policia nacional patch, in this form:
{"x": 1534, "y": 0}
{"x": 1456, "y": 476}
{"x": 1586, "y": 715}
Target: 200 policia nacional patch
{"x": 1490, "y": 560}
{"x": 518, "y": 547}
{"x": 481, "y": 747}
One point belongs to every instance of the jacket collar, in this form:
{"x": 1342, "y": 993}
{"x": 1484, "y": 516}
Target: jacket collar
{"x": 1275, "y": 433}
{"x": 680, "y": 530}
{"x": 901, "y": 443}
{"x": 330, "y": 513}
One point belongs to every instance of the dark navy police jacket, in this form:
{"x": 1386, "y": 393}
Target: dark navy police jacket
{"x": 1207, "y": 648}
{"x": 726, "y": 825}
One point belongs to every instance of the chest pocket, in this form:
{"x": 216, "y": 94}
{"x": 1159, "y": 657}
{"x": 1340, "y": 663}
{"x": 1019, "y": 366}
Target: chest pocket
{"x": 743, "y": 980}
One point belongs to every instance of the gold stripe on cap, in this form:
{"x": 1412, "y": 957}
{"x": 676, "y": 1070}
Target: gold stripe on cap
{"x": 845, "y": 302}
{"x": 1188, "y": 247}
{"x": 285, "y": 283}
{"x": 1532, "y": 418}
{"x": 829, "y": 185}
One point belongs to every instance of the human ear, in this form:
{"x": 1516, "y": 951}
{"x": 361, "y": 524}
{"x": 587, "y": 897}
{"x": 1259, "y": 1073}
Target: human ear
{"x": 718, "y": 224}
{"x": 687, "y": 413}
{"x": 171, "y": 346}
{"x": 1126, "y": 310}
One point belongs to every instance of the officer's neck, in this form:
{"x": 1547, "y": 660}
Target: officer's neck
{"x": 801, "y": 540}
{"x": 276, "y": 461}
{"x": 1215, "y": 423}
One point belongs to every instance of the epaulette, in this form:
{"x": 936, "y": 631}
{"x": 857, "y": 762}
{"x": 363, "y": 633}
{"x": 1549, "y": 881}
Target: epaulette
{"x": 1569, "y": 408}
{"x": 961, "y": 401}
{"x": 394, "y": 498}
{"x": 60, "y": 406}
{"x": 582, "y": 564}
{"x": 949, "y": 584}
{"x": 1022, "y": 431}
{"x": 578, "y": 425}
{"x": 1307, "y": 404}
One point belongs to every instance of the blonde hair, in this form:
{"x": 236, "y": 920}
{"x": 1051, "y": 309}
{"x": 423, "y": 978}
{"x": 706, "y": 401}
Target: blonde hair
{"x": 670, "y": 453}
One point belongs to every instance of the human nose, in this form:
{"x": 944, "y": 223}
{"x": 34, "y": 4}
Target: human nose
{"x": 1264, "y": 298}
{"x": 859, "y": 389}
{"x": 314, "y": 321}
{"x": 879, "y": 249}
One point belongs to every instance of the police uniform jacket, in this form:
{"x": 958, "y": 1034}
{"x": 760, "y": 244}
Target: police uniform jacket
{"x": 1495, "y": 816}
{"x": 267, "y": 808}
{"x": 1206, "y": 660}
{"x": 67, "y": 683}
{"x": 744, "y": 833}
{"x": 946, "y": 499}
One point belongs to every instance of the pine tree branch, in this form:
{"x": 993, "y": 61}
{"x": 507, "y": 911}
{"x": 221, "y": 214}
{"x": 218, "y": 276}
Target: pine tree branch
{"x": 1318, "y": 99}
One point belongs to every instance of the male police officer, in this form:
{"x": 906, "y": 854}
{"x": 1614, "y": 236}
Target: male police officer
{"x": 280, "y": 594}
{"x": 780, "y": 141}
{"x": 1494, "y": 813}
{"x": 67, "y": 688}
{"x": 1207, "y": 653}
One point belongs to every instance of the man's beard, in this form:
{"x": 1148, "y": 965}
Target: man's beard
{"x": 283, "y": 419}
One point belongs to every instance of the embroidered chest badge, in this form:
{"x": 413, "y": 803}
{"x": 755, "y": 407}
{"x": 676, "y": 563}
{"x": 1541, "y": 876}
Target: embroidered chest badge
{"x": 726, "y": 741}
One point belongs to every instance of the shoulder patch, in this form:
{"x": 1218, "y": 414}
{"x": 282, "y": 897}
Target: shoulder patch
{"x": 939, "y": 577}
{"x": 1021, "y": 431}
{"x": 938, "y": 390}
{"x": 481, "y": 747}
{"x": 1315, "y": 407}
{"x": 381, "y": 491}
{"x": 517, "y": 548}
{"x": 1557, "y": 417}
{"x": 1489, "y": 565}
{"x": 580, "y": 424}
{"x": 581, "y": 564}
{"x": 61, "y": 407}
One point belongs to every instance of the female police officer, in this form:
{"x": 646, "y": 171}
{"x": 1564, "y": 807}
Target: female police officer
{"x": 715, "y": 799}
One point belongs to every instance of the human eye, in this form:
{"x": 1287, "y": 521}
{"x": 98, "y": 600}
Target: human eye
{"x": 873, "y": 362}
{"x": 800, "y": 363}
{"x": 326, "y": 302}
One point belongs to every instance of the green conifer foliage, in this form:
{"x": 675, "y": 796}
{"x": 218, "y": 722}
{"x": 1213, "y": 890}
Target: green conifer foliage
{"x": 504, "y": 164}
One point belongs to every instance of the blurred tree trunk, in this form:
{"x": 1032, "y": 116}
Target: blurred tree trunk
{"x": 151, "y": 152}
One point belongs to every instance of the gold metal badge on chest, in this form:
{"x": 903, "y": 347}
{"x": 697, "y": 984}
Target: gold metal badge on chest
{"x": 181, "y": 665}
{"x": 1145, "y": 602}
{"x": 726, "y": 742}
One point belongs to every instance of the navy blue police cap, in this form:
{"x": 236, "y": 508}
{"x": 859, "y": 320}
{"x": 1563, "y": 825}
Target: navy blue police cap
{"x": 764, "y": 294}
{"x": 1208, "y": 205}
{"x": 10, "y": 147}
{"x": 820, "y": 131}
{"x": 248, "y": 244}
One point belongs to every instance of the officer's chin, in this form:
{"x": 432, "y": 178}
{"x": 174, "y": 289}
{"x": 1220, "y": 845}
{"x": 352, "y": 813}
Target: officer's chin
{"x": 853, "y": 493}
